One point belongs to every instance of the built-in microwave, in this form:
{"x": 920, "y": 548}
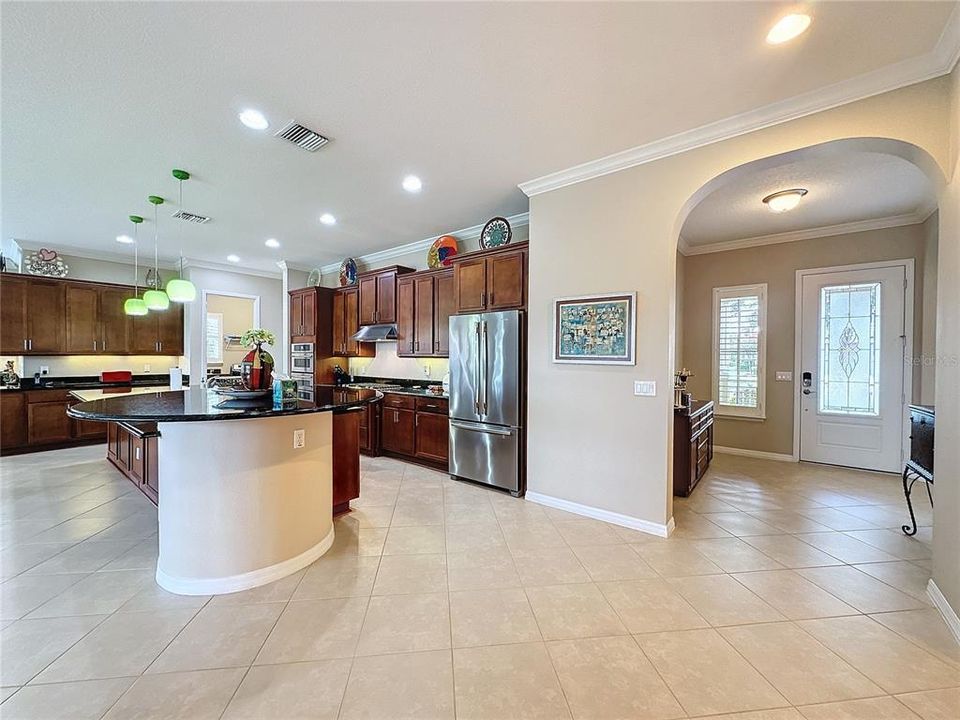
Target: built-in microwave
{"x": 301, "y": 358}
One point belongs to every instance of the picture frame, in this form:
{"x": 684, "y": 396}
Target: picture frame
{"x": 595, "y": 329}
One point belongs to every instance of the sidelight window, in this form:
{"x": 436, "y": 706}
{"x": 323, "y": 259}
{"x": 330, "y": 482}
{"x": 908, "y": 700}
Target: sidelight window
{"x": 739, "y": 350}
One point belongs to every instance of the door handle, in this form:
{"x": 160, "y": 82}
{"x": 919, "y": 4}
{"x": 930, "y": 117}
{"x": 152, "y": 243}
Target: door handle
{"x": 484, "y": 368}
{"x": 481, "y": 429}
{"x": 476, "y": 372}
{"x": 808, "y": 391}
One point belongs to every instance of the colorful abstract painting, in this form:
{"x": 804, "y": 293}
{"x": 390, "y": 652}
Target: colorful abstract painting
{"x": 595, "y": 329}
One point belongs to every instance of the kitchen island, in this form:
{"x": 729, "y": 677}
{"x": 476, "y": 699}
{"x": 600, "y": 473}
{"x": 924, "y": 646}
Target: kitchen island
{"x": 246, "y": 493}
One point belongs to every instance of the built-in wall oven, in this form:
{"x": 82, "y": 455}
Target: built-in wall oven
{"x": 304, "y": 385}
{"x": 301, "y": 358}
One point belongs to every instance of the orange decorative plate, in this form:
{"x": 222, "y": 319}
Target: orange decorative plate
{"x": 442, "y": 251}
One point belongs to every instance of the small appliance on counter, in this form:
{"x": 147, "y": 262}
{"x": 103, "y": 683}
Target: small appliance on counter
{"x": 340, "y": 376}
{"x": 118, "y": 377}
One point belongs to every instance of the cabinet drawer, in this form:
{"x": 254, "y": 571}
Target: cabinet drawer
{"x": 432, "y": 405}
{"x": 34, "y": 396}
{"x": 404, "y": 402}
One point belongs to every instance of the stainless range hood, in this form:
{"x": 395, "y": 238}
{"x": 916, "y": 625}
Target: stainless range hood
{"x": 376, "y": 333}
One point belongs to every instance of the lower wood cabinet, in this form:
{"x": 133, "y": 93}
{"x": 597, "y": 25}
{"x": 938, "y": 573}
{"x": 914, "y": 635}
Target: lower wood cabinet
{"x": 692, "y": 445}
{"x": 397, "y": 431}
{"x": 132, "y": 449}
{"x": 13, "y": 420}
{"x": 346, "y": 458}
{"x": 432, "y": 437}
{"x": 415, "y": 428}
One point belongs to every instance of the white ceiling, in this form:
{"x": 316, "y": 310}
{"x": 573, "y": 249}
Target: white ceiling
{"x": 101, "y": 101}
{"x": 843, "y": 187}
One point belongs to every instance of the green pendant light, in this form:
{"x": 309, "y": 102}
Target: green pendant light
{"x": 135, "y": 305}
{"x": 178, "y": 289}
{"x": 155, "y": 298}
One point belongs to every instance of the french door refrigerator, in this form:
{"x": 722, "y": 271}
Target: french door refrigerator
{"x": 486, "y": 398}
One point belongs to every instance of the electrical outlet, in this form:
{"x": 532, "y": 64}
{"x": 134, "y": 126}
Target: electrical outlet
{"x": 426, "y": 371}
{"x": 44, "y": 369}
{"x": 784, "y": 376}
{"x": 299, "y": 439}
{"x": 647, "y": 388}
{"x": 146, "y": 367}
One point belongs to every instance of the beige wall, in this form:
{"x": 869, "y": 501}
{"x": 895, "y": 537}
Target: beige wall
{"x": 925, "y": 367}
{"x": 590, "y": 440}
{"x": 679, "y": 338}
{"x": 238, "y": 317}
{"x": 777, "y": 265}
{"x": 387, "y": 365}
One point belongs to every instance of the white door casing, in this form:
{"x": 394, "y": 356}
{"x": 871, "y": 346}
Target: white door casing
{"x": 855, "y": 333}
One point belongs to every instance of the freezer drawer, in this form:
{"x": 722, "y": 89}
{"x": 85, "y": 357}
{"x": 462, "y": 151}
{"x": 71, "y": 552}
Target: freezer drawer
{"x": 485, "y": 453}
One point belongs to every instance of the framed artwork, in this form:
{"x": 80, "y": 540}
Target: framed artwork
{"x": 595, "y": 329}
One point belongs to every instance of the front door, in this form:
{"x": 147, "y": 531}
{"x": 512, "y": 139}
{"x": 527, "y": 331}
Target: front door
{"x": 852, "y": 349}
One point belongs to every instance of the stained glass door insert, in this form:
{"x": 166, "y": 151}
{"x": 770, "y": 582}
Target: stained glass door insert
{"x": 850, "y": 349}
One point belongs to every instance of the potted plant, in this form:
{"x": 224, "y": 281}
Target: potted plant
{"x": 256, "y": 370}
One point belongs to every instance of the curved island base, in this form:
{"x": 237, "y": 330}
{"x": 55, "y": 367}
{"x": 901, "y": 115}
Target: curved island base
{"x": 240, "y": 507}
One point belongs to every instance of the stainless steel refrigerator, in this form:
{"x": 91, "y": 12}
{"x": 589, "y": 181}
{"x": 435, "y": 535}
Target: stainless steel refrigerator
{"x": 486, "y": 398}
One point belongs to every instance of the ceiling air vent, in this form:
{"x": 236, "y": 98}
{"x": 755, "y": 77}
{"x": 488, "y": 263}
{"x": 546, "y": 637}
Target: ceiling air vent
{"x": 191, "y": 217}
{"x": 302, "y": 136}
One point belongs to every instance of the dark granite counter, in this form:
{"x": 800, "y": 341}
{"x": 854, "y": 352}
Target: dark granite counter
{"x": 198, "y": 404}
{"x": 89, "y": 382}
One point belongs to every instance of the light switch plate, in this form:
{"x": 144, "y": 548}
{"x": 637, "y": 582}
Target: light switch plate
{"x": 784, "y": 376}
{"x": 646, "y": 388}
{"x": 299, "y": 439}
{"x": 146, "y": 367}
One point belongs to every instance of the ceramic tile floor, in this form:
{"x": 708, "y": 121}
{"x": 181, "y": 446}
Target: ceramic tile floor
{"x": 786, "y": 592}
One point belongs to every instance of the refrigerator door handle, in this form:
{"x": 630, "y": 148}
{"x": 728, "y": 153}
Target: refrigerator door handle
{"x": 482, "y": 428}
{"x": 484, "y": 368}
{"x": 476, "y": 372}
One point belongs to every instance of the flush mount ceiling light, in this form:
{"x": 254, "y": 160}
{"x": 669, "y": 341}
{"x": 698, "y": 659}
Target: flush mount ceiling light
{"x": 784, "y": 200}
{"x": 233, "y": 258}
{"x": 272, "y": 243}
{"x": 788, "y": 27}
{"x": 412, "y": 184}
{"x": 328, "y": 219}
{"x": 125, "y": 239}
{"x": 253, "y": 119}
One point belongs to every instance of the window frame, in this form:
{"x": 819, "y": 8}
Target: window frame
{"x": 219, "y": 345}
{"x": 758, "y": 290}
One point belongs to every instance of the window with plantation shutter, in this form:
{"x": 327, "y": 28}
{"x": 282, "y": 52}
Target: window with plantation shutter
{"x": 739, "y": 350}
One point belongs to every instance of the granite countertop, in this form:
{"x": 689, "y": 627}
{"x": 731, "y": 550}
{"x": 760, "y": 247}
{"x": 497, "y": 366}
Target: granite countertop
{"x": 90, "y": 382}
{"x": 112, "y": 392}
{"x": 419, "y": 392}
{"x": 197, "y": 404}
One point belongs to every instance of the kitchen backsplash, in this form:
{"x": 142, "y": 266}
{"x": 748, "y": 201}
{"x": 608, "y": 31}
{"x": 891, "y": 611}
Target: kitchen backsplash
{"x": 387, "y": 365}
{"x": 71, "y": 365}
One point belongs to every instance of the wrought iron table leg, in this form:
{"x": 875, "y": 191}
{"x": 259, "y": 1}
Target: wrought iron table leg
{"x": 907, "y": 488}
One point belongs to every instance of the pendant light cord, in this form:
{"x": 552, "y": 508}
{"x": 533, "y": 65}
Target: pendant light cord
{"x": 179, "y": 231}
{"x": 136, "y": 258}
{"x": 156, "y": 243}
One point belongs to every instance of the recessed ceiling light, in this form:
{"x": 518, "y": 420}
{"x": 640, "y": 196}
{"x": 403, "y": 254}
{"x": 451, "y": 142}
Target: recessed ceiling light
{"x": 272, "y": 243}
{"x": 788, "y": 27}
{"x": 125, "y": 239}
{"x": 328, "y": 219}
{"x": 233, "y": 258}
{"x": 784, "y": 200}
{"x": 253, "y": 119}
{"x": 412, "y": 184}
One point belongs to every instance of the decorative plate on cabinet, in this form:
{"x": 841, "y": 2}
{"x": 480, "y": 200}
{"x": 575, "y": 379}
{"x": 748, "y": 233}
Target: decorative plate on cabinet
{"x": 495, "y": 233}
{"x": 313, "y": 279}
{"x": 442, "y": 251}
{"x": 348, "y": 272}
{"x": 45, "y": 262}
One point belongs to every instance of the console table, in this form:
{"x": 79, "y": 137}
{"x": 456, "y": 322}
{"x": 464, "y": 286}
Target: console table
{"x": 920, "y": 464}
{"x": 692, "y": 445}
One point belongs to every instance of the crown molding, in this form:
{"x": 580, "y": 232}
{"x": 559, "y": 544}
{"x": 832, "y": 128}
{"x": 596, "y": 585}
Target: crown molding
{"x": 856, "y": 226}
{"x": 939, "y": 61}
{"x": 233, "y": 269}
{"x": 470, "y": 233}
{"x": 101, "y": 255}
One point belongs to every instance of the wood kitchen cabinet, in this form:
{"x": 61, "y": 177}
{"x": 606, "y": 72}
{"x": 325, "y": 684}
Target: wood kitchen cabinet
{"x": 303, "y": 315}
{"x": 378, "y": 295}
{"x": 38, "y": 420}
{"x": 491, "y": 279}
{"x": 158, "y": 333}
{"x": 346, "y": 324}
{"x": 432, "y": 430}
{"x": 397, "y": 428}
{"x": 132, "y": 448}
{"x": 346, "y": 458}
{"x": 95, "y": 321}
{"x": 424, "y": 304}
{"x": 13, "y": 316}
{"x": 47, "y": 419}
{"x": 415, "y": 428}
{"x": 33, "y": 315}
{"x": 692, "y": 445}
{"x": 13, "y": 419}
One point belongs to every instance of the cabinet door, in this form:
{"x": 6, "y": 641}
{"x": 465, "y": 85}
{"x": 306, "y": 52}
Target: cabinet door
{"x": 397, "y": 431}
{"x": 83, "y": 319}
{"x": 114, "y": 322}
{"x": 423, "y": 326}
{"x": 352, "y": 325}
{"x": 151, "y": 474}
{"x": 443, "y": 307}
{"x": 309, "y": 303}
{"x": 46, "y": 309}
{"x": 137, "y": 458}
{"x": 13, "y": 303}
{"x": 339, "y": 323}
{"x": 387, "y": 298}
{"x": 433, "y": 436}
{"x": 406, "y": 318}
{"x": 89, "y": 429}
{"x": 13, "y": 420}
{"x": 470, "y": 284}
{"x": 123, "y": 447}
{"x": 505, "y": 281}
{"x": 144, "y": 334}
{"x": 48, "y": 422}
{"x": 112, "y": 440}
{"x": 296, "y": 317}
{"x": 368, "y": 300}
{"x": 170, "y": 330}
{"x": 346, "y": 459}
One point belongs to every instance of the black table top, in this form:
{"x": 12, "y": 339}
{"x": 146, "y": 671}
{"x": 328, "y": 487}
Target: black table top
{"x": 198, "y": 403}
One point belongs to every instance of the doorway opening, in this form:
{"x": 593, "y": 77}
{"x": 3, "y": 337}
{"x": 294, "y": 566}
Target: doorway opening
{"x": 226, "y": 316}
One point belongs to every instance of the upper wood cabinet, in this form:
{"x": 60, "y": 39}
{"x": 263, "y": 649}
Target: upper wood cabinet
{"x": 49, "y": 316}
{"x": 424, "y": 304}
{"x": 491, "y": 280}
{"x": 346, "y": 323}
{"x": 378, "y": 295}
{"x": 303, "y": 315}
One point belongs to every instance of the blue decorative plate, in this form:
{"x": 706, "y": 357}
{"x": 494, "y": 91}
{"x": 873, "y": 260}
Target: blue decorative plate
{"x": 348, "y": 272}
{"x": 495, "y": 233}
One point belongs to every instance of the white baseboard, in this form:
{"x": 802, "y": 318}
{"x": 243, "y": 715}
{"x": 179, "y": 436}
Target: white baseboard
{"x": 244, "y": 581}
{"x": 780, "y": 457}
{"x": 949, "y": 614}
{"x": 627, "y": 521}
